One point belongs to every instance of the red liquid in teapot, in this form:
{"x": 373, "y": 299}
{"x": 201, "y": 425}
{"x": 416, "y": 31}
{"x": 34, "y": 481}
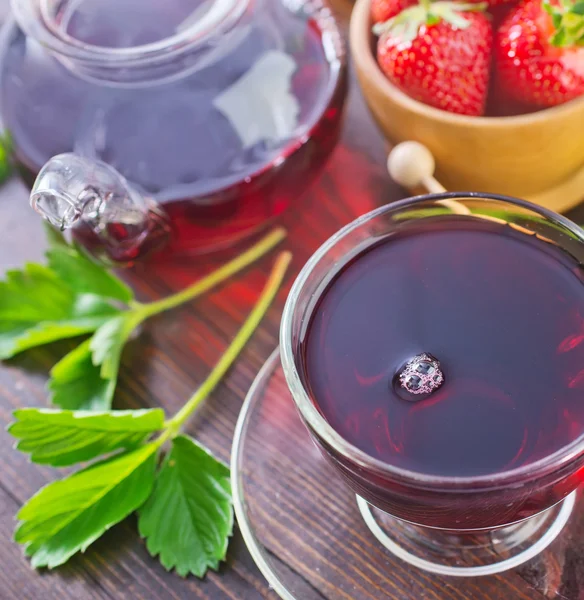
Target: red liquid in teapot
{"x": 502, "y": 311}
{"x": 223, "y": 148}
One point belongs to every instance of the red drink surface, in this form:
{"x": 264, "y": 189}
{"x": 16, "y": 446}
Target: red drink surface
{"x": 502, "y": 311}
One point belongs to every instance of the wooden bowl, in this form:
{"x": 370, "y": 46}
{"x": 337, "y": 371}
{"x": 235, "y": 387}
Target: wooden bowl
{"x": 538, "y": 156}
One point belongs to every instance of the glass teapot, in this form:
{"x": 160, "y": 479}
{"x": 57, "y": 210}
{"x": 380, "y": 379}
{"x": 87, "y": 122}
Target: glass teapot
{"x": 215, "y": 114}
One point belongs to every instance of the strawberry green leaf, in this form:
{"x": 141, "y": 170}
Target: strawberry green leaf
{"x": 17, "y": 338}
{"x": 34, "y": 294}
{"x": 85, "y": 276}
{"x": 108, "y": 342}
{"x": 55, "y": 237}
{"x": 37, "y": 308}
{"x": 406, "y": 25}
{"x": 6, "y": 164}
{"x": 86, "y": 378}
{"x": 568, "y": 22}
{"x": 188, "y": 519}
{"x": 63, "y": 437}
{"x": 67, "y": 516}
{"x": 71, "y": 297}
{"x": 76, "y": 383}
{"x": 87, "y": 314}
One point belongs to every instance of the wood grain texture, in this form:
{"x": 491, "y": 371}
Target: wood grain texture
{"x": 162, "y": 367}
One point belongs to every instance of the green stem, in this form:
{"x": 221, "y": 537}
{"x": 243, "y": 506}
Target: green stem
{"x": 215, "y": 278}
{"x": 253, "y": 320}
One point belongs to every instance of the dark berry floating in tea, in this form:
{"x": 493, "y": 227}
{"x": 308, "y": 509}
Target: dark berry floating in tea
{"x": 502, "y": 311}
{"x": 420, "y": 375}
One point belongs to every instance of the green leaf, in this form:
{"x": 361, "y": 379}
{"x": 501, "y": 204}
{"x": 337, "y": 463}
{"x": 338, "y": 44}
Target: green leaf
{"x": 76, "y": 383}
{"x": 559, "y": 39}
{"x": 6, "y": 165}
{"x": 108, "y": 342}
{"x": 66, "y": 516}
{"x": 37, "y": 308}
{"x": 86, "y": 276}
{"x": 86, "y": 378}
{"x": 55, "y": 237}
{"x": 406, "y": 25}
{"x": 63, "y": 437}
{"x": 17, "y": 338}
{"x": 86, "y": 315}
{"x": 568, "y": 21}
{"x": 34, "y": 294}
{"x": 188, "y": 519}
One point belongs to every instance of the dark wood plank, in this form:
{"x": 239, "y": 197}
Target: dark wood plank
{"x": 15, "y": 575}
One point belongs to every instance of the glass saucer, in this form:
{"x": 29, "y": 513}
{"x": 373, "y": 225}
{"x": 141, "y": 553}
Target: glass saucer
{"x": 312, "y": 539}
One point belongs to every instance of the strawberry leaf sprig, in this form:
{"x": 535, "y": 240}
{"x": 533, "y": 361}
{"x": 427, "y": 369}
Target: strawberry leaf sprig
{"x": 6, "y": 163}
{"x": 406, "y": 25}
{"x": 72, "y": 296}
{"x": 183, "y": 500}
{"x": 568, "y": 21}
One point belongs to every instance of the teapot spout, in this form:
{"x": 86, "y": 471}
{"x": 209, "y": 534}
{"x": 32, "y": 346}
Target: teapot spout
{"x": 89, "y": 196}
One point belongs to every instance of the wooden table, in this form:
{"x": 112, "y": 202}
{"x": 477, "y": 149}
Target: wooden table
{"x": 171, "y": 357}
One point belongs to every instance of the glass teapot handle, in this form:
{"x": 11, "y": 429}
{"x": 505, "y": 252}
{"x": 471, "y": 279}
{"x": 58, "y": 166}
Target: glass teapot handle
{"x": 106, "y": 213}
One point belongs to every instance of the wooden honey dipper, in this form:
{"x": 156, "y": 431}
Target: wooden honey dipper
{"x": 412, "y": 165}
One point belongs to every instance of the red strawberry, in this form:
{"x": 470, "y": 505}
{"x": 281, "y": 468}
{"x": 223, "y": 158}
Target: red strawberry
{"x": 539, "y": 54}
{"x": 492, "y": 3}
{"x": 382, "y": 10}
{"x": 439, "y": 54}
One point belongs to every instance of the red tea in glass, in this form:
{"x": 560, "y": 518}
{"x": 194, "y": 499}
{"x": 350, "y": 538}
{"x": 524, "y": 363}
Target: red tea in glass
{"x": 501, "y": 310}
{"x": 435, "y": 350}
